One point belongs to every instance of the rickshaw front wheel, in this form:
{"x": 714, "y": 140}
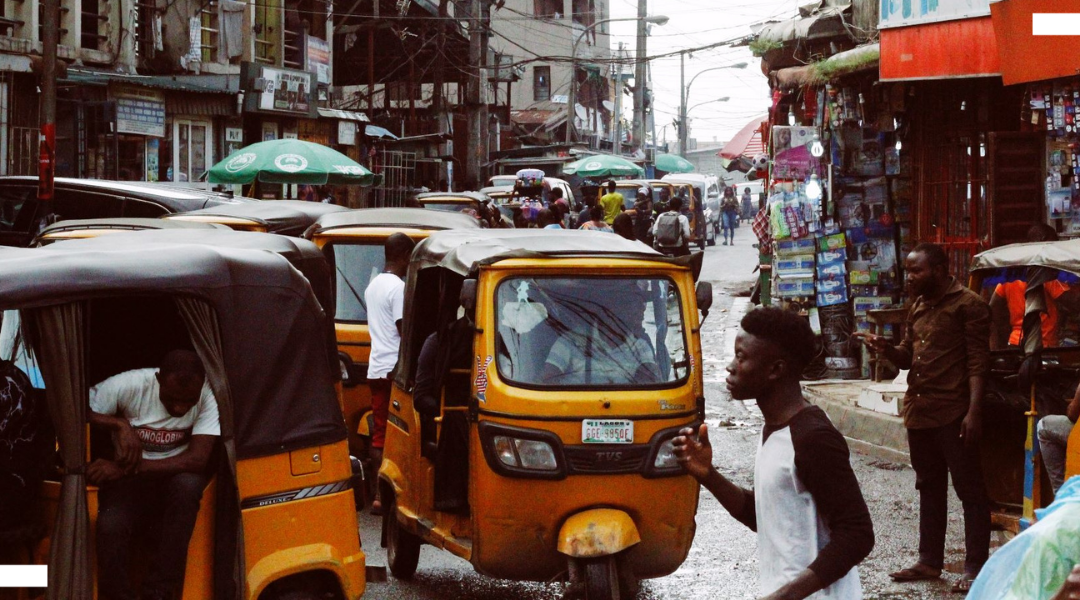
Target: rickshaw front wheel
{"x": 602, "y": 579}
{"x": 402, "y": 547}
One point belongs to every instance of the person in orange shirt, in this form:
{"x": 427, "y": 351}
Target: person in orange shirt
{"x": 1007, "y": 303}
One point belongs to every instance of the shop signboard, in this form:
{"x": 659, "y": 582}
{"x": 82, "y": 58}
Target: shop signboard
{"x": 279, "y": 91}
{"x": 318, "y": 59}
{"x": 139, "y": 111}
{"x": 346, "y": 133}
{"x": 902, "y": 13}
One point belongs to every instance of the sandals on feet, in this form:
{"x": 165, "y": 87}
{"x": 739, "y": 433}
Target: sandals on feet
{"x": 963, "y": 585}
{"x": 919, "y": 572}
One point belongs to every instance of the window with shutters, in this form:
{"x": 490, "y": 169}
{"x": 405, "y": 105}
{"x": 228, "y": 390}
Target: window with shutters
{"x": 541, "y": 83}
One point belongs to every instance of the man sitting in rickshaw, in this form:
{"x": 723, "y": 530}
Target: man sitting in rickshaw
{"x": 604, "y": 353}
{"x": 1054, "y": 431}
{"x": 164, "y": 423}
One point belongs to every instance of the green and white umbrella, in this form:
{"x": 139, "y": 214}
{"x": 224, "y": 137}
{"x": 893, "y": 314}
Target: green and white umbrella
{"x": 290, "y": 161}
{"x": 673, "y": 163}
{"x": 603, "y": 165}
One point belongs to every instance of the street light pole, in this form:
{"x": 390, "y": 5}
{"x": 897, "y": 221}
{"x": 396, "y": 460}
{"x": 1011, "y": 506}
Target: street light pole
{"x": 571, "y": 96}
{"x": 684, "y": 126}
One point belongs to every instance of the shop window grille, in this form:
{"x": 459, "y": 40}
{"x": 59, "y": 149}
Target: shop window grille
{"x": 398, "y": 170}
{"x": 210, "y": 32}
{"x": 93, "y": 25}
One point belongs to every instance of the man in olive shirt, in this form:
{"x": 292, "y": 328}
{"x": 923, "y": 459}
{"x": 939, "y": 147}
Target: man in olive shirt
{"x": 946, "y": 346}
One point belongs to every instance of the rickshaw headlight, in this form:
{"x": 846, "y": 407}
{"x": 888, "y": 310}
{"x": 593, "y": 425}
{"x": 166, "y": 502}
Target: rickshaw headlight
{"x": 665, "y": 455}
{"x": 504, "y": 449}
{"x": 536, "y": 455}
{"x": 526, "y": 454}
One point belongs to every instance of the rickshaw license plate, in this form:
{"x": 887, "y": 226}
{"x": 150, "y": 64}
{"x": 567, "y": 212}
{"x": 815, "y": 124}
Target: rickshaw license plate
{"x": 607, "y": 431}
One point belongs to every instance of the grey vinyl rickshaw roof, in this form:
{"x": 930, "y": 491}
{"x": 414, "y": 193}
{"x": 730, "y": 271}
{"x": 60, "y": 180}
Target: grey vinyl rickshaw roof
{"x": 285, "y": 217}
{"x": 280, "y": 377}
{"x": 125, "y": 223}
{"x": 1063, "y": 256}
{"x": 474, "y": 196}
{"x": 413, "y": 218}
{"x": 462, "y": 251}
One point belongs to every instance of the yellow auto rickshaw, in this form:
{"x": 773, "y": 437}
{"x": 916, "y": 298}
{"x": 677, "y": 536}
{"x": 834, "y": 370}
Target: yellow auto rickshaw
{"x": 278, "y": 518}
{"x": 533, "y": 436}
{"x": 352, "y": 242}
{"x": 1034, "y": 294}
{"x": 283, "y": 217}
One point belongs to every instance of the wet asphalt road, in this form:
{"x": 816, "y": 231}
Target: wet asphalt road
{"x": 723, "y": 560}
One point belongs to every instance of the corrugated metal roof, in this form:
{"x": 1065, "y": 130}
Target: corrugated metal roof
{"x": 344, "y": 115}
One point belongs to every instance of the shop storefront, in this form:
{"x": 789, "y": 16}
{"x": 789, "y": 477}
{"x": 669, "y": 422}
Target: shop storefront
{"x": 279, "y": 104}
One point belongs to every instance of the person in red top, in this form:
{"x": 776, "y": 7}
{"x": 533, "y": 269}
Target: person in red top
{"x": 1007, "y": 303}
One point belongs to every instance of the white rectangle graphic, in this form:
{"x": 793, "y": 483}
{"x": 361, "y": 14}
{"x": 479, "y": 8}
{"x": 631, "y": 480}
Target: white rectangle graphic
{"x": 24, "y": 576}
{"x": 1055, "y": 24}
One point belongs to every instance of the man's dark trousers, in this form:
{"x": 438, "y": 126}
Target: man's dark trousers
{"x": 168, "y": 505}
{"x": 935, "y": 454}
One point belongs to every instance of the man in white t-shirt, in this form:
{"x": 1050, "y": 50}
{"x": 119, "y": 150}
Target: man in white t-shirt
{"x": 164, "y": 423}
{"x": 385, "y": 299}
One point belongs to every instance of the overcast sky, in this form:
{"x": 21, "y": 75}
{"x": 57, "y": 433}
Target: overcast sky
{"x": 696, "y": 23}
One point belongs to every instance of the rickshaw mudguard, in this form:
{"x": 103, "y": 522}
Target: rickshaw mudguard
{"x": 348, "y": 570}
{"x": 597, "y": 532}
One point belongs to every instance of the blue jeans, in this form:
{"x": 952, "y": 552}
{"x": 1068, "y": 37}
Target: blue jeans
{"x": 164, "y": 504}
{"x": 728, "y": 221}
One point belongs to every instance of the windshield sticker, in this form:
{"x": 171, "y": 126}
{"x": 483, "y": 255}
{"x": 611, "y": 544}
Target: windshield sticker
{"x": 481, "y": 377}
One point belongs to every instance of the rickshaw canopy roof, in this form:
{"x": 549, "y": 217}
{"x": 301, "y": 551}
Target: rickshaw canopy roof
{"x": 280, "y": 377}
{"x": 286, "y": 217}
{"x": 1063, "y": 256}
{"x": 414, "y": 218}
{"x": 125, "y": 224}
{"x": 453, "y": 196}
{"x": 462, "y": 251}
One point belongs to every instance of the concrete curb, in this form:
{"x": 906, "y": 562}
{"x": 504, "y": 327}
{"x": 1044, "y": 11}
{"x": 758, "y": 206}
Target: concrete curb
{"x": 868, "y": 432}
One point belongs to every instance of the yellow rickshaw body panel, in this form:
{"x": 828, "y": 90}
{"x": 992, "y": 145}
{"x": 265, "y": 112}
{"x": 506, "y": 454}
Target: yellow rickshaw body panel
{"x": 515, "y": 524}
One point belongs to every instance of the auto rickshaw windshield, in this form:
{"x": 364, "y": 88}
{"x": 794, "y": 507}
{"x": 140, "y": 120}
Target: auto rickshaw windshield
{"x": 589, "y": 332}
{"x": 355, "y": 265}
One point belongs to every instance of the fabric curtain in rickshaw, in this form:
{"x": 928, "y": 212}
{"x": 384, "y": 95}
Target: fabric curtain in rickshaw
{"x": 63, "y": 366}
{"x": 229, "y": 568}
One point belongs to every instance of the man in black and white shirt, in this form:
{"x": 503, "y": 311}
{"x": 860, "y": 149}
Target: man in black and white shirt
{"x": 164, "y": 423}
{"x": 806, "y": 506}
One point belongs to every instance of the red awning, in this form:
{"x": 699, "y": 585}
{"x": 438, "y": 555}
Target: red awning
{"x": 944, "y": 50}
{"x": 747, "y": 142}
{"x": 1024, "y": 57}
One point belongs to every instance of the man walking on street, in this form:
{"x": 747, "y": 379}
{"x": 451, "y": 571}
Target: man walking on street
{"x": 612, "y": 202}
{"x": 671, "y": 232}
{"x": 946, "y": 346}
{"x": 385, "y": 298}
{"x": 806, "y": 506}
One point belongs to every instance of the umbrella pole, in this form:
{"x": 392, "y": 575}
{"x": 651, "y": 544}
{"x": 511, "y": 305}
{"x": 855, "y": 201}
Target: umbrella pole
{"x": 1032, "y": 467}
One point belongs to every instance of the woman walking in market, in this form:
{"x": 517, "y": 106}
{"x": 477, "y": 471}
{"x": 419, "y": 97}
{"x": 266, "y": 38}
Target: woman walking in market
{"x": 729, "y": 216}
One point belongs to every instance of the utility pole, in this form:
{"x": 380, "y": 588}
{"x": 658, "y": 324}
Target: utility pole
{"x": 474, "y": 98}
{"x": 682, "y": 105}
{"x": 50, "y": 38}
{"x": 639, "y": 75}
{"x": 617, "y": 139}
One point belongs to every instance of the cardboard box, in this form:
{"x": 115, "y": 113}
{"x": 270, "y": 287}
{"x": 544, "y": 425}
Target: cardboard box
{"x": 794, "y": 286}
{"x": 862, "y": 304}
{"x": 831, "y": 284}
{"x": 832, "y": 242}
{"x": 795, "y": 247}
{"x": 832, "y": 298}
{"x": 861, "y": 277}
{"x": 802, "y": 264}
{"x": 837, "y": 270}
{"x": 832, "y": 256}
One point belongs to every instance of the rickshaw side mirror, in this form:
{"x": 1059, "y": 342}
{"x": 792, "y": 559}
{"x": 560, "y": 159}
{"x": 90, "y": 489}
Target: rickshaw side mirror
{"x": 704, "y": 297}
{"x": 467, "y": 298}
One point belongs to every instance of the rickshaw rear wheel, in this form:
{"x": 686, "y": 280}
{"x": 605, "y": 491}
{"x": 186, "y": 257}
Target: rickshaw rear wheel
{"x": 402, "y": 547}
{"x": 602, "y": 579}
